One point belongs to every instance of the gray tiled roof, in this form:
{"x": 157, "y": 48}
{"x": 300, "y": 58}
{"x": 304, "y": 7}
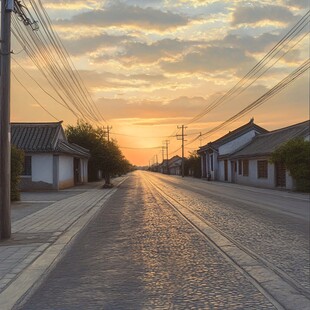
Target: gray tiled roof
{"x": 33, "y": 137}
{"x": 233, "y": 135}
{"x": 265, "y": 144}
{"x": 43, "y": 138}
{"x": 72, "y": 148}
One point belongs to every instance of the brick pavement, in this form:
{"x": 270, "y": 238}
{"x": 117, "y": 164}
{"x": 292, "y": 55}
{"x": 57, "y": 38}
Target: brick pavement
{"x": 40, "y": 238}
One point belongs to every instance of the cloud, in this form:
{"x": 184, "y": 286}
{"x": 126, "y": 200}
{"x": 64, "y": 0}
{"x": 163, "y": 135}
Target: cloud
{"x": 149, "y": 109}
{"x": 108, "y": 81}
{"x": 210, "y": 59}
{"x": 124, "y": 15}
{"x": 248, "y": 43}
{"x": 139, "y": 52}
{"x": 80, "y": 46}
{"x": 254, "y": 13}
{"x": 303, "y": 4}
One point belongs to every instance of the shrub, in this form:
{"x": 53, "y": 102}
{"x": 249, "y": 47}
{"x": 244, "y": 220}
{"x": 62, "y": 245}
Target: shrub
{"x": 17, "y": 165}
{"x": 295, "y": 155}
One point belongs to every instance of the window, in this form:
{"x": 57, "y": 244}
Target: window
{"x": 245, "y": 167}
{"x": 211, "y": 162}
{"x": 27, "y": 166}
{"x": 262, "y": 169}
{"x": 239, "y": 166}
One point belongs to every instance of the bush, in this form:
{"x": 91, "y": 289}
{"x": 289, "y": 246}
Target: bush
{"x": 295, "y": 155}
{"x": 17, "y": 165}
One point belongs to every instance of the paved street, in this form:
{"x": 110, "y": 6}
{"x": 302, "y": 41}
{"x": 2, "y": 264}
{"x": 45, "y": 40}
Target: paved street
{"x": 274, "y": 224}
{"x": 43, "y": 226}
{"x": 161, "y": 242}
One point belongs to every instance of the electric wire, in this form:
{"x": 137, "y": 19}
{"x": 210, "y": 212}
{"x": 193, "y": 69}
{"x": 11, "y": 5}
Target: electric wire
{"x": 37, "y": 101}
{"x": 255, "y": 104}
{"x": 238, "y": 87}
{"x": 45, "y": 49}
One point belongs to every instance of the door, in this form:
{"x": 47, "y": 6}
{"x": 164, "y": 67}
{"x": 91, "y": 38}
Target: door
{"x": 225, "y": 170}
{"x": 280, "y": 175}
{"x": 76, "y": 171}
{"x": 233, "y": 171}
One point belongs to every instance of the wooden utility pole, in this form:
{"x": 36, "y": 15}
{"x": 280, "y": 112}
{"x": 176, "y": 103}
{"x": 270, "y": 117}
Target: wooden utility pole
{"x": 166, "y": 142}
{"x": 182, "y": 138}
{"x": 5, "y": 131}
{"x": 107, "y": 177}
{"x": 108, "y": 132}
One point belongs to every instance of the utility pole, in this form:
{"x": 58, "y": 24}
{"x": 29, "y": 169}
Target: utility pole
{"x": 182, "y": 138}
{"x": 108, "y": 132}
{"x": 166, "y": 142}
{"x": 7, "y": 7}
{"x": 107, "y": 177}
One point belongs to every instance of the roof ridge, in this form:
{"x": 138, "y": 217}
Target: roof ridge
{"x": 31, "y": 124}
{"x": 286, "y": 128}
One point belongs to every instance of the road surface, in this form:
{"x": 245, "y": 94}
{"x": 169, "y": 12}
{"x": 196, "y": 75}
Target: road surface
{"x": 162, "y": 242}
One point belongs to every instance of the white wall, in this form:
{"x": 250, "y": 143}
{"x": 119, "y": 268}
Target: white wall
{"x": 66, "y": 175}
{"x": 221, "y": 171}
{"x": 269, "y": 182}
{"x": 42, "y": 168}
{"x": 236, "y": 143}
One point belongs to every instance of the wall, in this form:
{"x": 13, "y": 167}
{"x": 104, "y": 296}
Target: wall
{"x": 66, "y": 176}
{"x": 232, "y": 146}
{"x": 42, "y": 173}
{"x": 221, "y": 171}
{"x": 269, "y": 182}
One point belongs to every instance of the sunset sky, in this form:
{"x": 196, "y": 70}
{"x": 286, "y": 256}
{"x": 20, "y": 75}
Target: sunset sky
{"x": 153, "y": 65}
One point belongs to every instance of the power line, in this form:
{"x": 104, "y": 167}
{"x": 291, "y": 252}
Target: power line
{"x": 255, "y": 104}
{"x": 48, "y": 53}
{"x": 248, "y": 78}
{"x": 26, "y": 89}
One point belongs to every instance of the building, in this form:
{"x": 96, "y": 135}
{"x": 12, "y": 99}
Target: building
{"x": 51, "y": 162}
{"x": 215, "y": 163}
{"x": 175, "y": 165}
{"x": 252, "y": 166}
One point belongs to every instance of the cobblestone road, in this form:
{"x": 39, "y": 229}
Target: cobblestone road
{"x": 139, "y": 254}
{"x": 279, "y": 238}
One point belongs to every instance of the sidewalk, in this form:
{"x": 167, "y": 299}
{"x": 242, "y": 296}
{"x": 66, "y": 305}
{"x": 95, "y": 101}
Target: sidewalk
{"x": 40, "y": 238}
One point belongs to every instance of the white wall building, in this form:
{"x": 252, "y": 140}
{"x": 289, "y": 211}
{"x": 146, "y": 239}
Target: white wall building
{"x": 252, "y": 161}
{"x": 242, "y": 156}
{"x": 214, "y": 155}
{"x": 51, "y": 162}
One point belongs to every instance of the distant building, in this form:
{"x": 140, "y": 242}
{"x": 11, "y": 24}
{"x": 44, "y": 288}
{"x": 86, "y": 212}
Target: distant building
{"x": 51, "y": 162}
{"x": 175, "y": 165}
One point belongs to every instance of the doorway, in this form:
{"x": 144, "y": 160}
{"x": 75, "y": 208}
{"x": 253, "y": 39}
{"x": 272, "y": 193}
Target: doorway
{"x": 76, "y": 171}
{"x": 280, "y": 174}
{"x": 226, "y": 170}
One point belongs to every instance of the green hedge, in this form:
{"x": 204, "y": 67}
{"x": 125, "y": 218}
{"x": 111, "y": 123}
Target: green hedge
{"x": 295, "y": 155}
{"x": 17, "y": 165}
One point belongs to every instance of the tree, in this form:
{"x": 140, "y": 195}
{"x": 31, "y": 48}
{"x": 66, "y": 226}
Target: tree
{"x": 192, "y": 165}
{"x": 17, "y": 165}
{"x": 105, "y": 155}
{"x": 295, "y": 155}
